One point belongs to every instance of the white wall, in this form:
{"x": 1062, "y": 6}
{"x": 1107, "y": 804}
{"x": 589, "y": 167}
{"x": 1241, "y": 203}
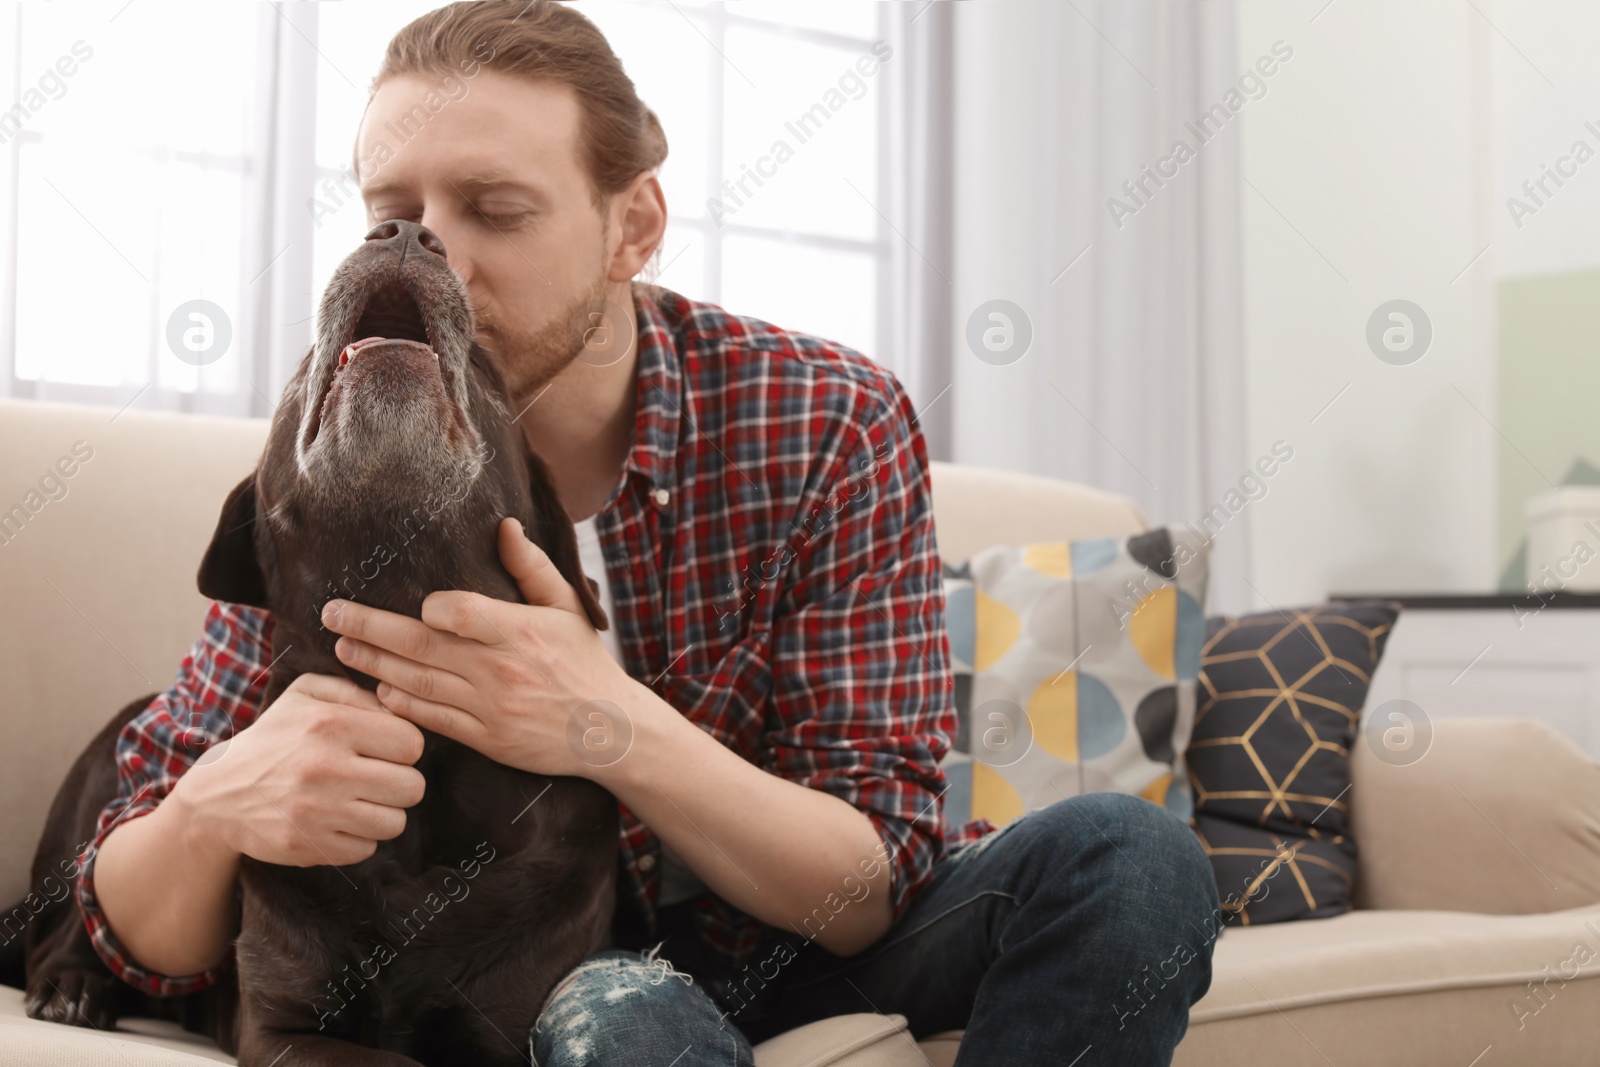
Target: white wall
{"x": 1368, "y": 179}
{"x": 1547, "y": 87}
{"x": 1368, "y": 174}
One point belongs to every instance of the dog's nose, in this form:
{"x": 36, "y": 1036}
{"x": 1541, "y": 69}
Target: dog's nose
{"x": 402, "y": 232}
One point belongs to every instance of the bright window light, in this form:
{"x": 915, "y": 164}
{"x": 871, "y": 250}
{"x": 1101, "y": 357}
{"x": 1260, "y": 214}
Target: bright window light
{"x": 139, "y": 186}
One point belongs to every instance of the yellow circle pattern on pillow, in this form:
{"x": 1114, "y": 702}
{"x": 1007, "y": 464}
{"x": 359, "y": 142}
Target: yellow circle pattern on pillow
{"x": 1053, "y": 713}
{"x": 993, "y": 797}
{"x": 1053, "y": 560}
{"x": 1100, "y": 648}
{"x": 998, "y": 627}
{"x": 1156, "y": 791}
{"x": 1153, "y": 630}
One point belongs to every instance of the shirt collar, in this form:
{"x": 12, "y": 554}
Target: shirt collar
{"x": 658, "y": 390}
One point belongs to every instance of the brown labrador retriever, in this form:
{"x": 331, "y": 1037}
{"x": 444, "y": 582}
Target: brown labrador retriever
{"x": 388, "y": 466}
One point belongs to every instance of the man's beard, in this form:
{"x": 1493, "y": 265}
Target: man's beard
{"x": 528, "y": 360}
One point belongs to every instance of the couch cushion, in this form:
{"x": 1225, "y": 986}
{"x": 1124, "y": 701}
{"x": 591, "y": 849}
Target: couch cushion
{"x": 26, "y": 1042}
{"x": 1394, "y": 989}
{"x": 1082, "y": 657}
{"x": 1409, "y": 988}
{"x": 864, "y": 1040}
{"x": 1383, "y": 989}
{"x": 940, "y": 1049}
{"x": 1280, "y": 697}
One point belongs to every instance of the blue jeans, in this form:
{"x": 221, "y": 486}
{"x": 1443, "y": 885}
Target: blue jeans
{"x": 1078, "y": 935}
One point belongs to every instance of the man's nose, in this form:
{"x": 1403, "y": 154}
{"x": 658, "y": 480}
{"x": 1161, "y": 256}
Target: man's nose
{"x": 404, "y": 235}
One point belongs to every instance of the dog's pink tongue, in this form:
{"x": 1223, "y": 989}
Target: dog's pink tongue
{"x": 354, "y": 347}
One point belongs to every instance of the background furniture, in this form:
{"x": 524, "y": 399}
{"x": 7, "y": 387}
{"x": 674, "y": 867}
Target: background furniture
{"x": 1480, "y": 864}
{"x": 1485, "y": 656}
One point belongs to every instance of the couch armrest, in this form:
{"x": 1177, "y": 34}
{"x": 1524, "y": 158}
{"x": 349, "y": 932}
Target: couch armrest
{"x": 1500, "y": 816}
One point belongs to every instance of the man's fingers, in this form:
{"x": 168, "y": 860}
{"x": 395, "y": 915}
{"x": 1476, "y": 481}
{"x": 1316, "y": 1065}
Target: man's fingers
{"x": 444, "y": 719}
{"x": 390, "y": 739}
{"x": 541, "y": 583}
{"x": 401, "y": 635}
{"x": 373, "y": 822}
{"x": 468, "y": 615}
{"x": 428, "y": 682}
{"x": 335, "y": 690}
{"x": 393, "y": 785}
{"x": 344, "y": 850}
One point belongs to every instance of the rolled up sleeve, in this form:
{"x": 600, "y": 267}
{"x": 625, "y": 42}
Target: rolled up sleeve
{"x": 218, "y": 691}
{"x": 861, "y": 703}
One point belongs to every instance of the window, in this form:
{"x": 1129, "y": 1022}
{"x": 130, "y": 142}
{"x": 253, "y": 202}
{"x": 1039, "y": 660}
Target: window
{"x": 132, "y": 189}
{"x": 788, "y": 236}
{"x": 124, "y": 196}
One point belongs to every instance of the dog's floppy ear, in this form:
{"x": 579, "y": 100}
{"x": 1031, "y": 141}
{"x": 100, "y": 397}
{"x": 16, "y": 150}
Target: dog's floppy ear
{"x": 553, "y": 532}
{"x": 231, "y": 571}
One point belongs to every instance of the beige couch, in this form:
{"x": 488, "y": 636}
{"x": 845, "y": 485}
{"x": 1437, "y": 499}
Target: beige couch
{"x": 1480, "y": 865}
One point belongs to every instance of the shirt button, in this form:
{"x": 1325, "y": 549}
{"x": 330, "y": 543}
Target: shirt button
{"x": 661, "y": 496}
{"x": 647, "y": 863}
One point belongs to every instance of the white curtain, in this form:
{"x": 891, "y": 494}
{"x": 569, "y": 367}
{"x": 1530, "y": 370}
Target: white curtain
{"x": 281, "y": 323}
{"x": 919, "y": 172}
{"x": 1133, "y": 379}
{"x": 267, "y": 173}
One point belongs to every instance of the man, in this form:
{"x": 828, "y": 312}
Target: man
{"x": 775, "y": 689}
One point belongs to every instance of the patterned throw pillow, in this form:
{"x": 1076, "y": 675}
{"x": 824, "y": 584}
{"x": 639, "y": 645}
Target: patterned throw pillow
{"x": 1075, "y": 667}
{"x": 1280, "y": 705}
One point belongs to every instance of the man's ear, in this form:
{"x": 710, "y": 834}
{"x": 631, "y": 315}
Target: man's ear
{"x": 553, "y": 532}
{"x": 231, "y": 571}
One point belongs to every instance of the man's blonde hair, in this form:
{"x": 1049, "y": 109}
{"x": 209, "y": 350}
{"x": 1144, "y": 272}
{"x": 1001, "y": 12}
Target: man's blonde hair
{"x": 618, "y": 136}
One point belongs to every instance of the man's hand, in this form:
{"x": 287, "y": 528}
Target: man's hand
{"x": 320, "y": 778}
{"x": 499, "y": 677}
{"x": 506, "y": 680}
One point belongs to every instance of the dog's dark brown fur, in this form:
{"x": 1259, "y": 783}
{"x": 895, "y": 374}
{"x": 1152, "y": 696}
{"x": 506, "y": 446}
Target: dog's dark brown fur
{"x": 65, "y": 979}
{"x": 441, "y": 947}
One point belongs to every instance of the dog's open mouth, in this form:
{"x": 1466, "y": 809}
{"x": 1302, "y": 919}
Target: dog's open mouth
{"x": 389, "y": 358}
{"x": 391, "y": 311}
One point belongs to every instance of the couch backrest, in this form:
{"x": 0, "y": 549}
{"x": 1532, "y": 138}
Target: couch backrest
{"x": 1500, "y": 816}
{"x": 98, "y": 586}
{"x": 975, "y": 507}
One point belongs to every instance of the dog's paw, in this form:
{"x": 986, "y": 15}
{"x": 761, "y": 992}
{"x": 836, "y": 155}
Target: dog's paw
{"x": 76, "y": 998}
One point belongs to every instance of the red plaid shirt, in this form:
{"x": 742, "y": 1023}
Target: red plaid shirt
{"x": 775, "y": 577}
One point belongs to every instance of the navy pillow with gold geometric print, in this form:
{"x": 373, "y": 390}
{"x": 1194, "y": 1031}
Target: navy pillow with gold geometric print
{"x": 1279, "y": 707}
